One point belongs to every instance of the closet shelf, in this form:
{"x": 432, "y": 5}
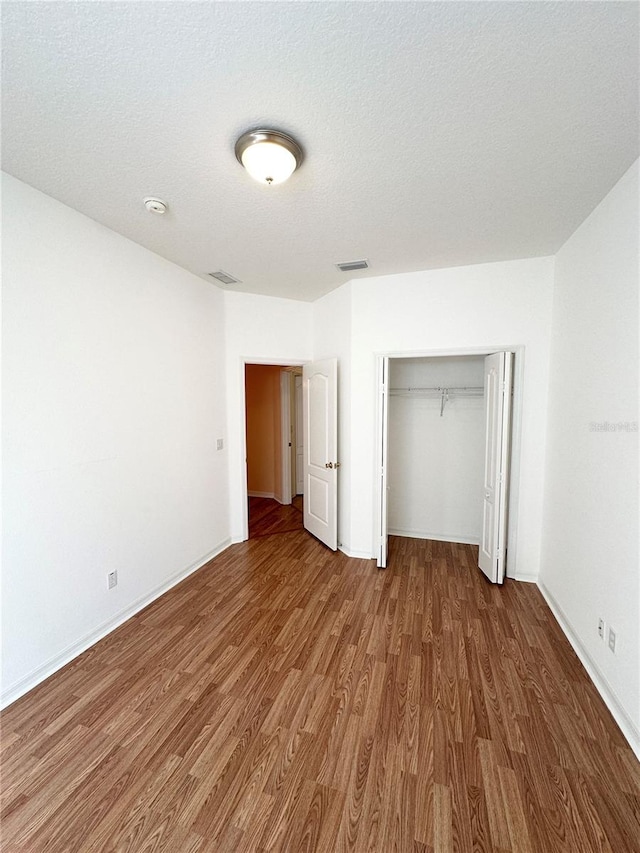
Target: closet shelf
{"x": 437, "y": 392}
{"x": 443, "y": 393}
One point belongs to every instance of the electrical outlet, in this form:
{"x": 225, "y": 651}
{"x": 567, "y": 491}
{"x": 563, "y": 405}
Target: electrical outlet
{"x": 220, "y": 444}
{"x": 612, "y": 640}
{"x": 601, "y": 628}
{"x": 112, "y": 579}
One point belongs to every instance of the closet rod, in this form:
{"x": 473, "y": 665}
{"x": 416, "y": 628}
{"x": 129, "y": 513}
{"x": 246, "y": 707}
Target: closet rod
{"x": 440, "y": 389}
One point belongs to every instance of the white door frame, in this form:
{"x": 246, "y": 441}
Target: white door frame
{"x": 285, "y": 434}
{"x": 244, "y": 360}
{"x": 297, "y": 435}
{"x": 516, "y": 438}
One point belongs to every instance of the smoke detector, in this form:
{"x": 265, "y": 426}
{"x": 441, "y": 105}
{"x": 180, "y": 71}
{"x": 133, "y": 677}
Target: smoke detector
{"x": 155, "y": 205}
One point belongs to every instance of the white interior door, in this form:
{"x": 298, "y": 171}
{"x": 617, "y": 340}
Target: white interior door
{"x": 320, "y": 429}
{"x": 299, "y": 433}
{"x": 497, "y": 406}
{"x": 383, "y": 546}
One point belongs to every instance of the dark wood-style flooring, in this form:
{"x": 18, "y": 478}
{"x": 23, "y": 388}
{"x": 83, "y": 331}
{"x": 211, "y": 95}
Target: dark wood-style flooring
{"x": 268, "y": 517}
{"x": 286, "y": 698}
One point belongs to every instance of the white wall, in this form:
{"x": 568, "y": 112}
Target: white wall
{"x": 113, "y": 389}
{"x": 590, "y": 556}
{"x": 490, "y": 306}
{"x": 435, "y": 456}
{"x": 258, "y": 329}
{"x": 455, "y": 371}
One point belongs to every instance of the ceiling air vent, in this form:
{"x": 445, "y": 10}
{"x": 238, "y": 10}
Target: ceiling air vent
{"x": 224, "y": 277}
{"x": 350, "y": 266}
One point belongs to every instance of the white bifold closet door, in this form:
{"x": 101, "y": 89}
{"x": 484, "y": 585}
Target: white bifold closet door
{"x": 498, "y": 370}
{"x": 320, "y": 424}
{"x": 383, "y": 390}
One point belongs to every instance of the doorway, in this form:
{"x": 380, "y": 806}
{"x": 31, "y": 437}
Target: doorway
{"x": 320, "y": 463}
{"x": 274, "y": 501}
{"x": 445, "y": 443}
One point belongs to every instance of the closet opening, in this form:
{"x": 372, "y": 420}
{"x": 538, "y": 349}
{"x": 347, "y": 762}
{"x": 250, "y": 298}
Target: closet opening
{"x": 447, "y": 452}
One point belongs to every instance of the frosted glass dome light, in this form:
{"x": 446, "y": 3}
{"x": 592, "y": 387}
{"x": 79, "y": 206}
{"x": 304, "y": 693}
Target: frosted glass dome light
{"x": 269, "y": 156}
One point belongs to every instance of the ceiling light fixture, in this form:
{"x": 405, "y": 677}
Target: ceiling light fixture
{"x": 269, "y": 156}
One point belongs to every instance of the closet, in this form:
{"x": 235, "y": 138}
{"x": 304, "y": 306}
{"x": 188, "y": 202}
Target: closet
{"x": 436, "y": 448}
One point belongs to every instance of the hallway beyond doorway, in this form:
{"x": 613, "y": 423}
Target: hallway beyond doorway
{"x": 268, "y": 517}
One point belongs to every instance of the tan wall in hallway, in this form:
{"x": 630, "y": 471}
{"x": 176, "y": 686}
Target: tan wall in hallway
{"x": 264, "y": 450}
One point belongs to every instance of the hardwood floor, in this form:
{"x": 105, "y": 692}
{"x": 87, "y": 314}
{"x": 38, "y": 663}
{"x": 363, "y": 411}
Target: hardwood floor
{"x": 268, "y": 517}
{"x": 285, "y": 698}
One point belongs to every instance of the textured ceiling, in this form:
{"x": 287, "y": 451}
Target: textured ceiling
{"x": 435, "y": 134}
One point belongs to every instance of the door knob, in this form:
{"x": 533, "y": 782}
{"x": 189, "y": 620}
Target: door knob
{"x": 328, "y": 464}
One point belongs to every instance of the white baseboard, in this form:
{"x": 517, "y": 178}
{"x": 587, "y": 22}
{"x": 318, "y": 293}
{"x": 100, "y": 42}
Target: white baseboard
{"x": 523, "y": 578}
{"x": 357, "y": 555}
{"x": 271, "y": 495}
{"x": 36, "y": 676}
{"x": 627, "y": 726}
{"x": 422, "y": 534}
